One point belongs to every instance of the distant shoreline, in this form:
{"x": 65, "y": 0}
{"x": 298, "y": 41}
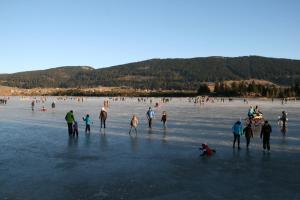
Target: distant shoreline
{"x": 95, "y": 92}
{"x": 109, "y": 92}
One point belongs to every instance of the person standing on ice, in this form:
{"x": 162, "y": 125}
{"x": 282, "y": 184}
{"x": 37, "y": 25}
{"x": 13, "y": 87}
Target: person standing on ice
{"x": 283, "y": 118}
{"x": 88, "y": 121}
{"x": 248, "y": 134}
{"x": 265, "y": 133}
{"x": 133, "y": 124}
{"x": 103, "y": 117}
{"x": 150, "y": 116}
{"x": 70, "y": 119}
{"x": 75, "y": 129}
{"x": 164, "y": 118}
{"x": 237, "y": 130}
{"x": 32, "y": 105}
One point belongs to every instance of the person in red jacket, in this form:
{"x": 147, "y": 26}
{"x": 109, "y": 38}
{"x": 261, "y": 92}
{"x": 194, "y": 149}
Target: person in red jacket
{"x": 206, "y": 150}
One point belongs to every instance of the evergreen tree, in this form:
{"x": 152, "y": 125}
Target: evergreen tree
{"x": 203, "y": 89}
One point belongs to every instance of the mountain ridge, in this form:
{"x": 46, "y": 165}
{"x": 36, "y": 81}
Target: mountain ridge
{"x": 168, "y": 73}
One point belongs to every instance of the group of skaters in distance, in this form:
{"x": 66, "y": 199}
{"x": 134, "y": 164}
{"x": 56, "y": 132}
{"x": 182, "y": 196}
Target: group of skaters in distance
{"x": 73, "y": 124}
{"x": 150, "y": 115}
{"x": 4, "y": 100}
{"x": 43, "y": 109}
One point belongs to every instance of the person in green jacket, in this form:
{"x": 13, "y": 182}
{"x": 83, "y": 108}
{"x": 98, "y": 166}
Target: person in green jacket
{"x": 70, "y": 119}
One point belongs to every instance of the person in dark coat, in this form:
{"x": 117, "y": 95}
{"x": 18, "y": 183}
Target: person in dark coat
{"x": 265, "y": 133}
{"x": 248, "y": 134}
{"x": 103, "y": 117}
{"x": 164, "y": 118}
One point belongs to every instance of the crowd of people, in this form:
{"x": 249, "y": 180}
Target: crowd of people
{"x": 237, "y": 129}
{"x": 254, "y": 114}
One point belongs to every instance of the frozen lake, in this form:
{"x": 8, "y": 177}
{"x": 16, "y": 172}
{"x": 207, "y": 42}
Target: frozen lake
{"x": 38, "y": 160}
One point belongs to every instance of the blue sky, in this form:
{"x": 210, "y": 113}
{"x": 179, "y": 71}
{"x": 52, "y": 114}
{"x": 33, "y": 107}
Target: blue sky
{"x": 40, "y": 34}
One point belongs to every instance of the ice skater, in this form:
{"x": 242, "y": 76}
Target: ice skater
{"x": 282, "y": 121}
{"x": 265, "y": 133}
{"x": 150, "y": 116}
{"x": 103, "y": 117}
{"x": 248, "y": 134}
{"x": 88, "y": 122}
{"x": 75, "y": 129}
{"x": 70, "y": 119}
{"x": 164, "y": 118}
{"x": 32, "y": 105}
{"x": 237, "y": 130}
{"x": 133, "y": 124}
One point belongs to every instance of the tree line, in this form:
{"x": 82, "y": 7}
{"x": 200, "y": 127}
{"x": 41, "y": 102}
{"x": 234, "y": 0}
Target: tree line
{"x": 250, "y": 89}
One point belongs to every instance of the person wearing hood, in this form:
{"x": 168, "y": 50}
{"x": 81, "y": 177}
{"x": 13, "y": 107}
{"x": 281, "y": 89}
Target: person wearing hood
{"x": 237, "y": 130}
{"x": 103, "y": 117}
{"x": 150, "y": 116}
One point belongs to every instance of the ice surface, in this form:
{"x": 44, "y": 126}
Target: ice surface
{"x": 38, "y": 160}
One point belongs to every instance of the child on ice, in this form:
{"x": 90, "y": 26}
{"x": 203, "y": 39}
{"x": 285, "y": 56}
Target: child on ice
{"x": 206, "y": 151}
{"x": 88, "y": 122}
{"x": 75, "y": 129}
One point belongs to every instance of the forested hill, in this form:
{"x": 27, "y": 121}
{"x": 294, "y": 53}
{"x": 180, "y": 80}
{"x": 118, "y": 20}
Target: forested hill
{"x": 162, "y": 73}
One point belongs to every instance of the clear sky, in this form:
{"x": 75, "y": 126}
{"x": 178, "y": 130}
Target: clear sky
{"x": 40, "y": 34}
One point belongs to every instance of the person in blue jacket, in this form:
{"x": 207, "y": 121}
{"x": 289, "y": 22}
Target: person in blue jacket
{"x": 237, "y": 130}
{"x": 88, "y": 122}
{"x": 150, "y": 116}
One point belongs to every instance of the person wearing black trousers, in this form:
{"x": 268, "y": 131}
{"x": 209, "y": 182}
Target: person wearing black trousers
{"x": 248, "y": 134}
{"x": 103, "y": 117}
{"x": 70, "y": 119}
{"x": 265, "y": 133}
